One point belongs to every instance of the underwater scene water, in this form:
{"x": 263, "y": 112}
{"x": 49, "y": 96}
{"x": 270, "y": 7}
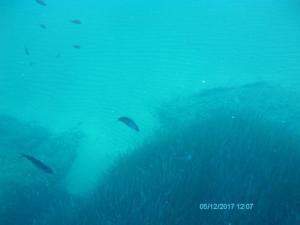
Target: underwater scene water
{"x": 127, "y": 112}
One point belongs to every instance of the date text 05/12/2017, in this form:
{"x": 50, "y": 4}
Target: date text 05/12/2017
{"x": 226, "y": 206}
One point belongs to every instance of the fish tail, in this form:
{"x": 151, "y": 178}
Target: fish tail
{"x": 22, "y": 155}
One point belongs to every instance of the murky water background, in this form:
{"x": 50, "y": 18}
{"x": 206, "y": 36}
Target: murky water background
{"x": 134, "y": 57}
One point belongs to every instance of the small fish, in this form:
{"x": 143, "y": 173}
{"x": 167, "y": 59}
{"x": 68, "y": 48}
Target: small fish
{"x": 39, "y": 164}
{"x": 76, "y": 21}
{"x": 129, "y": 122}
{"x": 41, "y": 2}
{"x": 43, "y": 26}
{"x": 27, "y": 51}
{"x": 76, "y": 46}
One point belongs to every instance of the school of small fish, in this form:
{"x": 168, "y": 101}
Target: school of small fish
{"x": 43, "y": 26}
{"x": 129, "y": 122}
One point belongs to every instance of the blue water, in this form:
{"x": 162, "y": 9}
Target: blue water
{"x": 135, "y": 58}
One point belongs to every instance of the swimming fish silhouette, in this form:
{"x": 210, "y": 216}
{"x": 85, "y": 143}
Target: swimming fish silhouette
{"x": 41, "y": 2}
{"x": 76, "y": 21}
{"x": 129, "y": 122}
{"x": 76, "y": 46}
{"x": 39, "y": 164}
{"x": 43, "y": 26}
{"x": 27, "y": 51}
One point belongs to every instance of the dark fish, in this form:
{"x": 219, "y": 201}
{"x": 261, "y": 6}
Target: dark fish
{"x": 129, "y": 122}
{"x": 39, "y": 164}
{"x": 76, "y": 21}
{"x": 27, "y": 51}
{"x": 43, "y": 26}
{"x": 76, "y": 46}
{"x": 41, "y": 2}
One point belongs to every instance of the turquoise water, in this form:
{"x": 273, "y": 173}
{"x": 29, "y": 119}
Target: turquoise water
{"x": 135, "y": 57}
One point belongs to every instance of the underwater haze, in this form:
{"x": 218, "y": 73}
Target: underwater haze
{"x": 150, "y": 112}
